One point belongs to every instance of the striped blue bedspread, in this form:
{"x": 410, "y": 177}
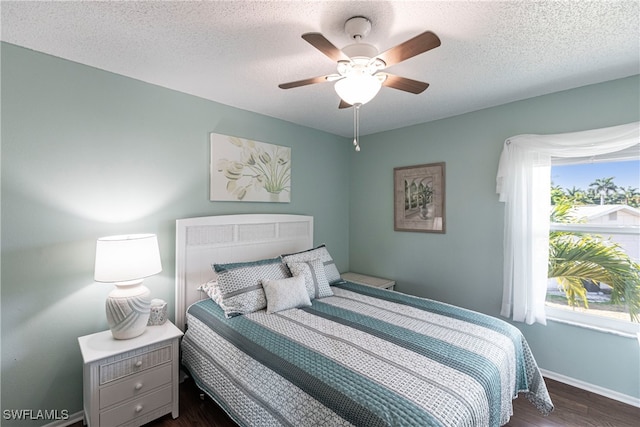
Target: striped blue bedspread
{"x": 366, "y": 357}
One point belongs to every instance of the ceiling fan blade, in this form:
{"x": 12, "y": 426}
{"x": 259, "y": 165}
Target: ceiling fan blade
{"x": 405, "y": 84}
{"x": 304, "y": 82}
{"x": 412, "y": 47}
{"x": 344, "y": 104}
{"x": 320, "y": 42}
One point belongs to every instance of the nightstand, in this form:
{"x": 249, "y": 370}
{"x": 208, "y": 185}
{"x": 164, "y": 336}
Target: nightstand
{"x": 130, "y": 382}
{"x": 362, "y": 279}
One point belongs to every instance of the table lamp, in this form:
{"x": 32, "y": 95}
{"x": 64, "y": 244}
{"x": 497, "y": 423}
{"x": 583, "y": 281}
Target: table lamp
{"x": 125, "y": 261}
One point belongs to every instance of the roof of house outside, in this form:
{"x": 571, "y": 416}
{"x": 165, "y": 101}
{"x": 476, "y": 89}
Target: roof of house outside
{"x": 590, "y": 212}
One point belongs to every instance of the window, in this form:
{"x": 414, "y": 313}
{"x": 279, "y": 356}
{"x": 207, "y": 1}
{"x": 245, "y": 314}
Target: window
{"x": 523, "y": 182}
{"x": 599, "y": 203}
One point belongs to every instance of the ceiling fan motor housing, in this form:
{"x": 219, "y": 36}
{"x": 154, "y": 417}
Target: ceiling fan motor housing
{"x": 360, "y": 50}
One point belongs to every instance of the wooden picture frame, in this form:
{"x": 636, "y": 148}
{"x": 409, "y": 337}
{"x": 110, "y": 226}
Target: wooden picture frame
{"x": 419, "y": 198}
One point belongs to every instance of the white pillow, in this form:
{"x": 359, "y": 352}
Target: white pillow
{"x": 284, "y": 294}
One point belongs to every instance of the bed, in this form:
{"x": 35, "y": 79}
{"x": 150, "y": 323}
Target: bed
{"x": 347, "y": 354}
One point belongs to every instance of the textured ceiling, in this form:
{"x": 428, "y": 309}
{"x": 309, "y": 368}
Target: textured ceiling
{"x": 237, "y": 52}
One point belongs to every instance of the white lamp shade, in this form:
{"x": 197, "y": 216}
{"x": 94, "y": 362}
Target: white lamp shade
{"x": 358, "y": 89}
{"x": 126, "y": 258}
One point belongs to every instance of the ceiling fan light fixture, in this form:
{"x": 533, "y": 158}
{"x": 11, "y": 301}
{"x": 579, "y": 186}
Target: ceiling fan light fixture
{"x": 358, "y": 89}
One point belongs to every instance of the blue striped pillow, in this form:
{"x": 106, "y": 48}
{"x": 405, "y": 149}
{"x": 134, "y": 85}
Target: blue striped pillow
{"x": 240, "y": 284}
{"x": 321, "y": 253}
{"x": 315, "y": 278}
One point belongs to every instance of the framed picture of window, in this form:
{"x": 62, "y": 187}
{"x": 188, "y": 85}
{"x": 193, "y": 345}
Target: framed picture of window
{"x": 419, "y": 198}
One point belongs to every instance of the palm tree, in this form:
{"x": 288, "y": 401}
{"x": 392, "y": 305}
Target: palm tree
{"x": 577, "y": 195}
{"x": 629, "y": 195}
{"x": 575, "y": 258}
{"x": 558, "y": 195}
{"x": 604, "y": 186}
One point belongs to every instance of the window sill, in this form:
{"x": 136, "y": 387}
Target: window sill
{"x": 594, "y": 322}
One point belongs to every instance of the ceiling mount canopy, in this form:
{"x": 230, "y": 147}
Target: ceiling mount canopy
{"x": 357, "y": 27}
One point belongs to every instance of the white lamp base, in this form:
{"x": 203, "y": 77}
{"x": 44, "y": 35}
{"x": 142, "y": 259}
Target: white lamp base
{"x": 127, "y": 309}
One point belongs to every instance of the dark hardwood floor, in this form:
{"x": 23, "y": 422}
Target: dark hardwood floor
{"x": 573, "y": 407}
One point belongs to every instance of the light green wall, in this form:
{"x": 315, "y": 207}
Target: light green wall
{"x": 86, "y": 153}
{"x": 464, "y": 266}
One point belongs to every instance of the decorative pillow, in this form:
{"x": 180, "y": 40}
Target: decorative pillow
{"x": 284, "y": 294}
{"x": 321, "y": 253}
{"x": 212, "y": 290}
{"x": 315, "y": 278}
{"x": 240, "y": 284}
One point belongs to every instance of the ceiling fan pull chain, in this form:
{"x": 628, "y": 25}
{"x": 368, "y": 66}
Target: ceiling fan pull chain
{"x": 356, "y": 126}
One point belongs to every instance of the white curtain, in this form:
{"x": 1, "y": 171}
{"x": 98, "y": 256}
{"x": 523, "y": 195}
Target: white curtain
{"x": 523, "y": 183}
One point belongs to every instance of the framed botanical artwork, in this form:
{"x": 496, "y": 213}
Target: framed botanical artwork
{"x": 250, "y": 171}
{"x": 419, "y": 198}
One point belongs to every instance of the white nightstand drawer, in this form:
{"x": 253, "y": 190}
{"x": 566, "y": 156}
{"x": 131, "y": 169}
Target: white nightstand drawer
{"x": 135, "y": 385}
{"x": 136, "y": 408}
{"x": 134, "y": 364}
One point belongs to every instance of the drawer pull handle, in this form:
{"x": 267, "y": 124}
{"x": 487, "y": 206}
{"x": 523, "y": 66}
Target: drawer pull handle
{"x": 138, "y": 363}
{"x": 138, "y": 386}
{"x": 138, "y": 408}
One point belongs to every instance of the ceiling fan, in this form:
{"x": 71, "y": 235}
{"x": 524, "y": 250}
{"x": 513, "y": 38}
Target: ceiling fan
{"x": 359, "y": 74}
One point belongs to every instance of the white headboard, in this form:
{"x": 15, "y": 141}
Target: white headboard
{"x": 201, "y": 242}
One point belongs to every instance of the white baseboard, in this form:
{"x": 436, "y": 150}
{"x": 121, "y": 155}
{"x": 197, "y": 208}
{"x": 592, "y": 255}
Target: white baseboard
{"x": 611, "y": 394}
